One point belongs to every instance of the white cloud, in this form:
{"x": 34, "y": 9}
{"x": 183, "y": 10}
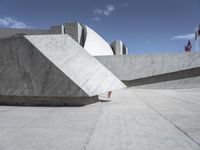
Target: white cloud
{"x": 184, "y": 37}
{"x": 109, "y": 9}
{"x": 11, "y": 22}
{"x": 99, "y": 12}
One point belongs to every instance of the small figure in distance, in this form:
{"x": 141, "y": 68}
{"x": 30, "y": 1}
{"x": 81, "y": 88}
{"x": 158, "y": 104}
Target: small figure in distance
{"x": 109, "y": 94}
{"x": 188, "y": 48}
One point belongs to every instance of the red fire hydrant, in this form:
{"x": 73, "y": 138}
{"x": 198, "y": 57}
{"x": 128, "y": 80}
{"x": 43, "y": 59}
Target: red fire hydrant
{"x": 109, "y": 94}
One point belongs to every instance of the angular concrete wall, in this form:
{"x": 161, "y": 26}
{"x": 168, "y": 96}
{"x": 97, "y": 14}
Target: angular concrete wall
{"x": 51, "y": 67}
{"x": 25, "y": 71}
{"x": 76, "y": 63}
{"x": 193, "y": 82}
{"x": 74, "y": 30}
{"x": 189, "y": 78}
{"x": 58, "y": 29}
{"x": 129, "y": 67}
{"x": 175, "y": 70}
{"x": 119, "y": 47}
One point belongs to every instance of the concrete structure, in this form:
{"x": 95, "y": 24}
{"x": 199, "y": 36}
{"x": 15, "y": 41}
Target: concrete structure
{"x": 72, "y": 61}
{"x": 76, "y": 32}
{"x": 133, "y": 119}
{"x": 119, "y": 48}
{"x": 197, "y": 39}
{"x": 51, "y": 66}
{"x": 59, "y": 29}
{"x": 57, "y": 67}
{"x": 91, "y": 41}
{"x": 173, "y": 70}
{"x": 9, "y": 32}
{"x": 95, "y": 44}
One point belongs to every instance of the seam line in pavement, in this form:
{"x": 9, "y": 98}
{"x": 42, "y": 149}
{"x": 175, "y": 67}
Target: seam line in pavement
{"x": 188, "y": 136}
{"x": 93, "y": 129}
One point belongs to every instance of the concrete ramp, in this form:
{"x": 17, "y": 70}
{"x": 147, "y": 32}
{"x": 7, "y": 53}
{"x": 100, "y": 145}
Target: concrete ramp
{"x": 76, "y": 63}
{"x": 51, "y": 68}
{"x": 170, "y": 70}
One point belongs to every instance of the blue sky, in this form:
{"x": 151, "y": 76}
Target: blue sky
{"x": 145, "y": 26}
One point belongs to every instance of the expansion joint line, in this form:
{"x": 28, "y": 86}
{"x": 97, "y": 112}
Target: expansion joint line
{"x": 93, "y": 129}
{"x": 185, "y": 133}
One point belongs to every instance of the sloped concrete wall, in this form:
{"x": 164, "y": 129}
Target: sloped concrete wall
{"x": 187, "y": 83}
{"x": 76, "y": 63}
{"x": 189, "y": 78}
{"x": 130, "y": 67}
{"x": 25, "y": 71}
{"x": 175, "y": 70}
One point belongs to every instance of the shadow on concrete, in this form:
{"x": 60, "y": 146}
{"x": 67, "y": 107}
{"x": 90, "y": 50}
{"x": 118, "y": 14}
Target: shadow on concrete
{"x": 47, "y": 101}
{"x": 183, "y": 74}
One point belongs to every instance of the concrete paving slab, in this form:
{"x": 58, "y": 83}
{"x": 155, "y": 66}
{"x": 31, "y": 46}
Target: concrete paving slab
{"x": 134, "y": 119}
{"x": 183, "y": 112}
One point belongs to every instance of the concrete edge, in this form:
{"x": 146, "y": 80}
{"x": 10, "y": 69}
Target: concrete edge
{"x": 14, "y": 100}
{"x": 171, "y": 76}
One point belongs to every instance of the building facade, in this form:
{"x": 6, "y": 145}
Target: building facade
{"x": 91, "y": 41}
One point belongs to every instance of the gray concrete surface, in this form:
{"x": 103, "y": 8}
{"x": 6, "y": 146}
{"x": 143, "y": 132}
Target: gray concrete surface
{"x": 192, "y": 82}
{"x": 52, "y": 66}
{"x": 134, "y": 119}
{"x": 8, "y": 32}
{"x": 130, "y": 67}
{"x": 189, "y": 78}
{"x": 76, "y": 63}
{"x": 119, "y": 48}
{"x": 24, "y": 71}
{"x": 75, "y": 31}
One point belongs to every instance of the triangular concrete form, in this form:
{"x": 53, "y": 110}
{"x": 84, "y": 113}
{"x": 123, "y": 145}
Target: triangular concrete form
{"x": 25, "y": 71}
{"x": 51, "y": 65}
{"x": 76, "y": 63}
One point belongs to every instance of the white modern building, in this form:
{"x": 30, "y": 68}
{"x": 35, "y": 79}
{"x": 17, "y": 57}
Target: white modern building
{"x": 119, "y": 48}
{"x": 91, "y": 41}
{"x": 197, "y": 39}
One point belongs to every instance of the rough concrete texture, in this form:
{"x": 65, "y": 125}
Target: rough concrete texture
{"x": 76, "y": 63}
{"x": 74, "y": 30}
{"x": 51, "y": 65}
{"x": 134, "y": 119}
{"x": 58, "y": 29}
{"x": 8, "y": 32}
{"x": 180, "y": 79}
{"x": 119, "y": 48}
{"x": 175, "y": 70}
{"x": 193, "y": 82}
{"x": 130, "y": 67}
{"x": 25, "y": 71}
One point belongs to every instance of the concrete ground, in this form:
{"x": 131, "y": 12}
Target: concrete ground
{"x": 135, "y": 119}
